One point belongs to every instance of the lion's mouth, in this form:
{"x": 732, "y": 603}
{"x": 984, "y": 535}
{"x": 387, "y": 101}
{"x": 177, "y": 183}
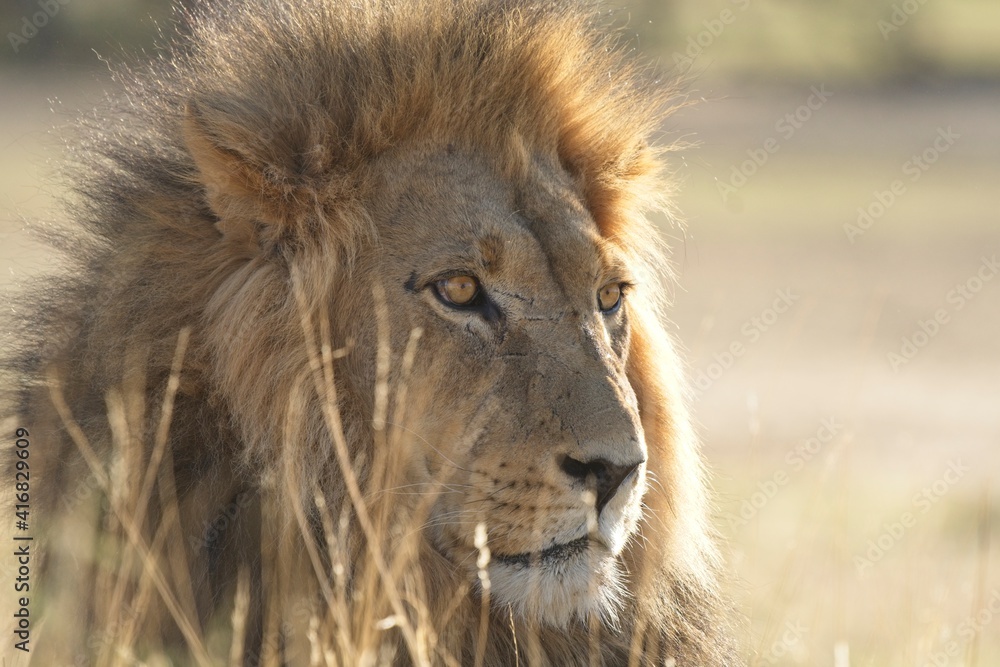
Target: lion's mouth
{"x": 554, "y": 554}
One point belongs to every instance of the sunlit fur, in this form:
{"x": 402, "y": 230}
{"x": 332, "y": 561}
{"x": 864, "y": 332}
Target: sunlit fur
{"x": 257, "y": 185}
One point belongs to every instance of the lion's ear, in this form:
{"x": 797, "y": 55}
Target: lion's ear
{"x": 255, "y": 200}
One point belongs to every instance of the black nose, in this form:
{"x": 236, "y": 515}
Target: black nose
{"x": 607, "y": 476}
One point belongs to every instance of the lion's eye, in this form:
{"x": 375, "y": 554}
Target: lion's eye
{"x": 458, "y": 290}
{"x": 609, "y": 297}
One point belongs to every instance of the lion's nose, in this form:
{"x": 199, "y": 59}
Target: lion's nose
{"x": 607, "y": 476}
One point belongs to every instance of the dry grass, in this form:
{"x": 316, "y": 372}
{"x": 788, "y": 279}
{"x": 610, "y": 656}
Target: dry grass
{"x": 369, "y": 592}
{"x": 345, "y": 600}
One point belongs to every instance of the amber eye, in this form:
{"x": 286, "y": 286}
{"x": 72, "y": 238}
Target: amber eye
{"x": 609, "y": 297}
{"x": 458, "y": 290}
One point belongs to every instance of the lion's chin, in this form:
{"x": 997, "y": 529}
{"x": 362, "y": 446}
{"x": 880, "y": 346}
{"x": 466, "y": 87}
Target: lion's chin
{"x": 574, "y": 580}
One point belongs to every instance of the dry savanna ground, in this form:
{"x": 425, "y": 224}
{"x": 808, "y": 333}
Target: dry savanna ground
{"x": 839, "y": 303}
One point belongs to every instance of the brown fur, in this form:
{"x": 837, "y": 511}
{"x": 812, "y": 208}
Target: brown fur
{"x": 293, "y": 176}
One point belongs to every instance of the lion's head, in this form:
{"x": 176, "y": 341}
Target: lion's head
{"x": 454, "y": 196}
{"x": 528, "y": 413}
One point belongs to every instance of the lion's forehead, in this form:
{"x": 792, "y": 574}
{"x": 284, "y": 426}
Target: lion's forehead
{"x": 530, "y": 235}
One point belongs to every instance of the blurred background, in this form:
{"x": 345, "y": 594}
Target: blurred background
{"x": 838, "y": 293}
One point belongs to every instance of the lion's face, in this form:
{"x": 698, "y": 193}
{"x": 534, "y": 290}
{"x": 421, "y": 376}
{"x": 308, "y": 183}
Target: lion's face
{"x": 527, "y": 419}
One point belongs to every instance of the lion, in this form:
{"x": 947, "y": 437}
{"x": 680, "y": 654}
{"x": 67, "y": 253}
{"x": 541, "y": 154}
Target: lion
{"x": 358, "y": 352}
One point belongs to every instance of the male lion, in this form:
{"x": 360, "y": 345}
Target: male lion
{"x": 358, "y": 358}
